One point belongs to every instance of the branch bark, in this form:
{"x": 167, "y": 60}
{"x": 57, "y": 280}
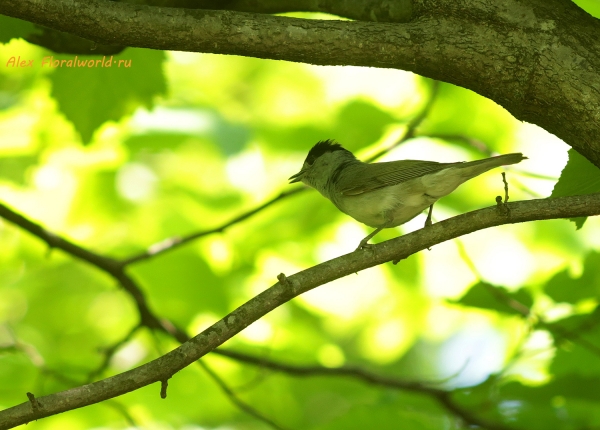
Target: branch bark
{"x": 537, "y": 58}
{"x": 363, "y": 10}
{"x": 287, "y": 288}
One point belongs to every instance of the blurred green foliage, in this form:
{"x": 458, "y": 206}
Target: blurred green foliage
{"x": 14, "y": 28}
{"x": 117, "y": 160}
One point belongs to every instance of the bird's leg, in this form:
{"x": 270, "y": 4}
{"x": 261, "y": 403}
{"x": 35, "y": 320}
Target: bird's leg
{"x": 363, "y": 243}
{"x": 389, "y": 221}
{"x": 428, "y": 220}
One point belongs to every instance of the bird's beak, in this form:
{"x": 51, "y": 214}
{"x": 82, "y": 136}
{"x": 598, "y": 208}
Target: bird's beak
{"x": 297, "y": 177}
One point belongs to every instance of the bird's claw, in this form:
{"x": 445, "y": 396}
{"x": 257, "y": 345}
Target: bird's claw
{"x": 363, "y": 245}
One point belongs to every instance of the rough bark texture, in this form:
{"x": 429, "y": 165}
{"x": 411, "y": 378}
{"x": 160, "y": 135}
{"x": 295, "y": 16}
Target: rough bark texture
{"x": 537, "y": 58}
{"x": 362, "y": 10}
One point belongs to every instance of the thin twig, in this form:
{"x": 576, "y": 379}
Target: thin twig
{"x": 123, "y": 411}
{"x": 442, "y": 396}
{"x": 235, "y": 399}
{"x": 412, "y": 126}
{"x": 505, "y": 187}
{"x": 175, "y": 242}
{"x": 109, "y": 265}
{"x": 533, "y": 175}
{"x": 476, "y": 144}
{"x": 108, "y": 353}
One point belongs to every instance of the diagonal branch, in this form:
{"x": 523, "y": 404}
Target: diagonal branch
{"x": 117, "y": 270}
{"x": 166, "y": 366}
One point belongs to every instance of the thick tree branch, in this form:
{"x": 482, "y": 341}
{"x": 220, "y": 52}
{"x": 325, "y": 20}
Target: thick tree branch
{"x": 166, "y": 366}
{"x": 65, "y": 43}
{"x": 537, "y": 58}
{"x": 363, "y": 10}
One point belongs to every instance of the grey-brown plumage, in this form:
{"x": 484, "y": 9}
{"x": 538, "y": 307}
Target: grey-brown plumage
{"x": 384, "y": 195}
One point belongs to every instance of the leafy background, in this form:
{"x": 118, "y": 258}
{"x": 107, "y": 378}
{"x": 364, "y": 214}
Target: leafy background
{"x": 119, "y": 159}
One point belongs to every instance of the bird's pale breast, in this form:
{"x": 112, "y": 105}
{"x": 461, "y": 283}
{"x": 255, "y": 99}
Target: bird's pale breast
{"x": 390, "y": 206}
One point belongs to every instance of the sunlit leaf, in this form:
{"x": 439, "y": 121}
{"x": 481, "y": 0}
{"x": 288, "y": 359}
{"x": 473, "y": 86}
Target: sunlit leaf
{"x": 562, "y": 287}
{"x": 577, "y": 340}
{"x": 90, "y": 96}
{"x": 361, "y": 124}
{"x": 578, "y": 177}
{"x": 499, "y": 299}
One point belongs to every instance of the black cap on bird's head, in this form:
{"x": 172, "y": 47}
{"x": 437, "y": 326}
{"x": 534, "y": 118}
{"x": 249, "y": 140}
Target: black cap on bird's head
{"x": 322, "y": 147}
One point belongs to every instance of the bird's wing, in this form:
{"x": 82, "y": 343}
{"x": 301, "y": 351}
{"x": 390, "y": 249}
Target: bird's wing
{"x": 369, "y": 177}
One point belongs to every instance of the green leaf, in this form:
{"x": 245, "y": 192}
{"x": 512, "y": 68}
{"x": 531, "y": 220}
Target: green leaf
{"x": 518, "y": 406}
{"x": 578, "y": 177}
{"x": 547, "y": 406}
{"x": 90, "y": 96}
{"x": 360, "y": 124}
{"x": 13, "y": 28}
{"x": 564, "y": 288}
{"x": 570, "y": 386}
{"x": 486, "y": 296}
{"x": 576, "y": 359}
{"x": 577, "y": 338}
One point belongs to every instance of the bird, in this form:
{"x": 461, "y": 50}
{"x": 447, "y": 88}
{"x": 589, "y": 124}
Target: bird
{"x": 387, "y": 194}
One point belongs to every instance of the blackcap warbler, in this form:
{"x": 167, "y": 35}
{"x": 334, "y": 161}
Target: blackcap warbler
{"x": 384, "y": 195}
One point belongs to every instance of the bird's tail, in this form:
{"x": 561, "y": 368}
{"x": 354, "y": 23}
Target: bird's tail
{"x": 474, "y": 168}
